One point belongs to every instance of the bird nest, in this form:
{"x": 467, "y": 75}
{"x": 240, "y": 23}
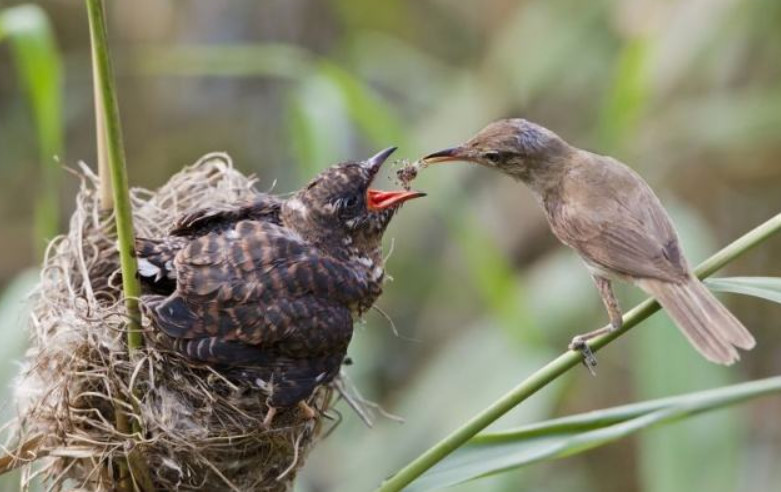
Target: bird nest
{"x": 193, "y": 428}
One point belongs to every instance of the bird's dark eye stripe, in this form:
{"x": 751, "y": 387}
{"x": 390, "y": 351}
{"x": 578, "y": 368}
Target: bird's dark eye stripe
{"x": 493, "y": 155}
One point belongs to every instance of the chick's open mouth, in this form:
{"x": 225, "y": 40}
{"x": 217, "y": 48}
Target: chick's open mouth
{"x": 378, "y": 200}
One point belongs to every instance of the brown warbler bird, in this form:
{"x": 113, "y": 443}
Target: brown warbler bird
{"x": 269, "y": 290}
{"x": 606, "y": 212}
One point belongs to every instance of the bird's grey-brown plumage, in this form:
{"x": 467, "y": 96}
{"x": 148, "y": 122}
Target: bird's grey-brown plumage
{"x": 272, "y": 287}
{"x": 611, "y": 217}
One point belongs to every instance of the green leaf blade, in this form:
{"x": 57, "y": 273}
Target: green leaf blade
{"x": 768, "y": 288}
{"x": 493, "y": 453}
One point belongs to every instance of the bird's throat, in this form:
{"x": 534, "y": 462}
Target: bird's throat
{"x": 542, "y": 176}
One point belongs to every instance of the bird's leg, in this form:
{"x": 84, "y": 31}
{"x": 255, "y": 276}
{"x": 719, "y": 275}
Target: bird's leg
{"x": 269, "y": 417}
{"x": 309, "y": 412}
{"x": 616, "y": 321}
{"x": 611, "y": 305}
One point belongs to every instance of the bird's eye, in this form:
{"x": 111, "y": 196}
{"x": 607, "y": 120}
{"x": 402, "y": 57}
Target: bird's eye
{"x": 350, "y": 202}
{"x": 492, "y": 156}
{"x": 346, "y": 205}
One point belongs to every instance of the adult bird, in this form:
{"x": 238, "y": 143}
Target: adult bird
{"x": 608, "y": 214}
{"x": 271, "y": 288}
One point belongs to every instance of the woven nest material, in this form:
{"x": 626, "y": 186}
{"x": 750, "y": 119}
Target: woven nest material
{"x": 199, "y": 430}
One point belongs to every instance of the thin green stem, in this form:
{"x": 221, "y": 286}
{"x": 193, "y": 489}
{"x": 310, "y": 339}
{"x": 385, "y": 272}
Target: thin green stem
{"x": 564, "y": 363}
{"x": 105, "y": 189}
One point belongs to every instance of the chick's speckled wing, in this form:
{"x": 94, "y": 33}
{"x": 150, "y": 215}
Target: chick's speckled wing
{"x": 263, "y": 207}
{"x": 643, "y": 243}
{"x": 257, "y": 283}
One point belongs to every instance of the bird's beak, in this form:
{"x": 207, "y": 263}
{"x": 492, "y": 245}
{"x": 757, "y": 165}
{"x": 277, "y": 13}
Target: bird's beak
{"x": 378, "y": 200}
{"x": 375, "y": 162}
{"x": 447, "y": 155}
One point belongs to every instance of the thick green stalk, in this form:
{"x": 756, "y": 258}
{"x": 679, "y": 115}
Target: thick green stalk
{"x": 564, "y": 363}
{"x": 133, "y": 473}
{"x": 116, "y": 163}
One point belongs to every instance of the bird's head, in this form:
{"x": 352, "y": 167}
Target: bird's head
{"x": 339, "y": 205}
{"x": 514, "y": 146}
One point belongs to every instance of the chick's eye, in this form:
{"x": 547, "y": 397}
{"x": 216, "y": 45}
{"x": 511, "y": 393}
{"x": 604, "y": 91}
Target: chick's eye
{"x": 492, "y": 156}
{"x": 350, "y": 202}
{"x": 346, "y": 205}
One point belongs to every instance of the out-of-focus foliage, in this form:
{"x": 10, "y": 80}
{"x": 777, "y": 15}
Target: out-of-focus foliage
{"x": 27, "y": 30}
{"x": 685, "y": 92}
{"x": 38, "y": 68}
{"x": 14, "y": 310}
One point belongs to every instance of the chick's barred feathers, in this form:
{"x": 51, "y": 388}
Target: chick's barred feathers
{"x": 269, "y": 288}
{"x": 254, "y": 295}
{"x": 264, "y": 207}
{"x": 706, "y": 323}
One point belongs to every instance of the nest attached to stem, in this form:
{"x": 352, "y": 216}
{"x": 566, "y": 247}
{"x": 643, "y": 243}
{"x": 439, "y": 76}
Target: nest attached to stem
{"x": 199, "y": 430}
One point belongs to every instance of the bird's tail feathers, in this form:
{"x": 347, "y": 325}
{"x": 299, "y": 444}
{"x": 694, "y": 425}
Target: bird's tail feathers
{"x": 707, "y": 324}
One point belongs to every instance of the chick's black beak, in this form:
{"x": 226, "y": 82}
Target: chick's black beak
{"x": 375, "y": 162}
{"x": 447, "y": 155}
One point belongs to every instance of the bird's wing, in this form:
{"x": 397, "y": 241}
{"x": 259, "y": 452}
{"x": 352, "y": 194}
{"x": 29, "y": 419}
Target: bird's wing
{"x": 616, "y": 222}
{"x": 201, "y": 221}
{"x": 294, "y": 344}
{"x": 245, "y": 335}
{"x": 259, "y": 284}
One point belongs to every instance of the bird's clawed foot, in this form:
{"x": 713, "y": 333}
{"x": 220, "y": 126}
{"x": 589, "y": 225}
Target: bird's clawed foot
{"x": 579, "y": 344}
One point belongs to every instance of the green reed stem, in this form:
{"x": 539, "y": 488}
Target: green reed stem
{"x": 563, "y": 363}
{"x": 133, "y": 472}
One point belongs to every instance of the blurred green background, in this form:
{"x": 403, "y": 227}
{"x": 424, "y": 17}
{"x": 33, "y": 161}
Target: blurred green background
{"x": 688, "y": 93}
